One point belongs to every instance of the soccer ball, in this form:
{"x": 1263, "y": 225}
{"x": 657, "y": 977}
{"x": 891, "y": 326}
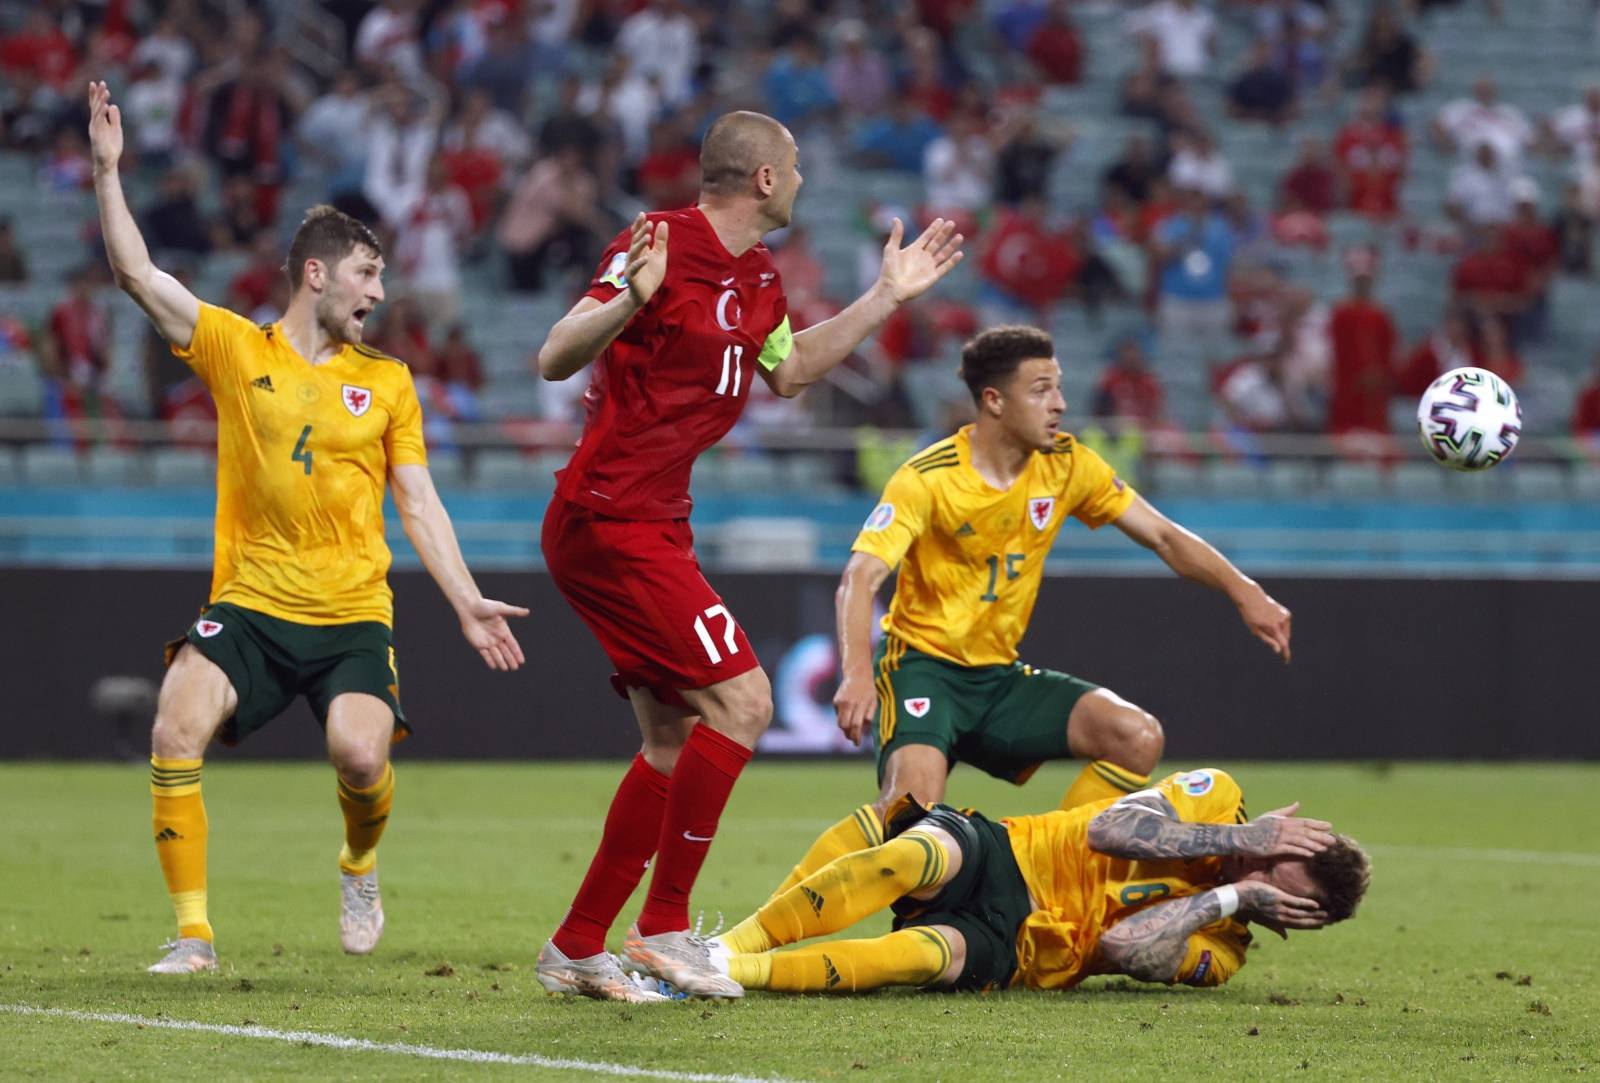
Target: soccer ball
{"x": 1469, "y": 419}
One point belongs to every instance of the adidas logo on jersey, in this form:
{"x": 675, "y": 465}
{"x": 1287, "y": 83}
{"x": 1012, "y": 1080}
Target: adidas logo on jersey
{"x": 263, "y": 382}
{"x": 965, "y": 531}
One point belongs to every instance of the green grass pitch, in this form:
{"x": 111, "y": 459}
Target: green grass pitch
{"x": 1476, "y": 956}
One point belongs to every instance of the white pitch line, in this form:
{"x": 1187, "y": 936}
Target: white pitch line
{"x": 1519, "y": 857}
{"x": 363, "y": 1045}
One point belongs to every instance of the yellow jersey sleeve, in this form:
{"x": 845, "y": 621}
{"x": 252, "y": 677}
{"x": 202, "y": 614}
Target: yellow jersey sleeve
{"x": 900, "y": 516}
{"x": 1205, "y": 796}
{"x": 1099, "y": 496}
{"x": 402, "y": 441}
{"x": 214, "y": 345}
{"x": 1215, "y": 954}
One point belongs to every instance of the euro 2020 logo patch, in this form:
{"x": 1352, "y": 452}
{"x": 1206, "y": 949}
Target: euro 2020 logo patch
{"x": 881, "y": 517}
{"x": 1196, "y": 783}
{"x": 615, "y": 271}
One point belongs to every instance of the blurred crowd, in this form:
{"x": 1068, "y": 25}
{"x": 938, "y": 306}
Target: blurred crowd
{"x": 499, "y": 144}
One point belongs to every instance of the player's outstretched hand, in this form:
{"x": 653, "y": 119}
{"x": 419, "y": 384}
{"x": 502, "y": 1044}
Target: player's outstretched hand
{"x": 855, "y": 703}
{"x": 1268, "y": 621}
{"x": 484, "y": 625}
{"x": 1281, "y": 833}
{"x": 105, "y": 129}
{"x": 1278, "y": 910}
{"x": 647, "y": 259}
{"x": 910, "y": 271}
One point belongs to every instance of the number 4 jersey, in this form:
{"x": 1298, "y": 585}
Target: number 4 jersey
{"x": 678, "y": 377}
{"x": 303, "y": 453}
{"x": 973, "y": 555}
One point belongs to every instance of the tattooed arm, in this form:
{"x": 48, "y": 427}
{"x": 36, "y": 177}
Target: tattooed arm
{"x": 1151, "y": 943}
{"x": 1145, "y": 825}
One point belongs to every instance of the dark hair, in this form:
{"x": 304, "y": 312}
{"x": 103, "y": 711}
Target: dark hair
{"x": 327, "y": 234}
{"x": 989, "y": 359}
{"x": 735, "y": 146}
{"x": 1342, "y": 871}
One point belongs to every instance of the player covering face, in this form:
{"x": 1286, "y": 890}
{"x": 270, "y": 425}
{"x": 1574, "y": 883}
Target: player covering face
{"x": 1159, "y": 885}
{"x": 311, "y": 426}
{"x": 685, "y": 312}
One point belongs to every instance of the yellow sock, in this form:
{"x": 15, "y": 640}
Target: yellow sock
{"x": 178, "y": 819}
{"x": 914, "y": 956}
{"x": 857, "y": 831}
{"x": 1100, "y": 780}
{"x": 366, "y": 812}
{"x": 842, "y": 893}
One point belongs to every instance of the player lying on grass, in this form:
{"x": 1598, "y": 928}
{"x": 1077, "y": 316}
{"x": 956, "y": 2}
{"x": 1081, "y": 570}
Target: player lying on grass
{"x": 311, "y": 424}
{"x": 970, "y": 522}
{"x": 1159, "y": 885}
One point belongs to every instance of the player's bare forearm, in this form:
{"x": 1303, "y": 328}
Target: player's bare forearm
{"x": 583, "y": 334}
{"x": 1194, "y": 558}
{"x": 820, "y": 348}
{"x": 856, "y": 699}
{"x": 1147, "y": 826}
{"x": 433, "y": 536}
{"x": 1150, "y": 944}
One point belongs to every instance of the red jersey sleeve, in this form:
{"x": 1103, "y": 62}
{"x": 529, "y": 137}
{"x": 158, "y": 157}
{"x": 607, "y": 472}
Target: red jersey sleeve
{"x": 609, "y": 278}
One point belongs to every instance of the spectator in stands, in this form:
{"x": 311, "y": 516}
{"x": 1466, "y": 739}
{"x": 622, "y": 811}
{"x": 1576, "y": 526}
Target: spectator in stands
{"x": 39, "y": 51}
{"x": 447, "y": 382}
{"x": 1465, "y": 124}
{"x": 400, "y": 142}
{"x": 483, "y": 148}
{"x": 1312, "y": 183}
{"x": 897, "y": 140}
{"x": 958, "y": 167}
{"x": 1586, "y": 412}
{"x": 251, "y": 292}
{"x": 150, "y": 112}
{"x": 1055, "y": 47}
{"x": 332, "y": 133}
{"x": 858, "y": 75}
{"x": 1027, "y": 154}
{"x": 174, "y": 223}
{"x": 238, "y": 219}
{"x": 1365, "y": 341}
{"x": 389, "y": 38}
{"x": 402, "y": 331}
{"x": 249, "y": 121}
{"x": 1197, "y": 164}
{"x": 669, "y": 176}
{"x": 1372, "y": 155}
{"x": 1184, "y": 32}
{"x": 1146, "y": 90}
{"x": 1496, "y": 351}
{"x": 553, "y": 220}
{"x": 1295, "y": 32}
{"x": 1388, "y": 58}
{"x": 663, "y": 39}
{"x": 1029, "y": 263}
{"x": 566, "y": 125}
{"x": 626, "y": 99}
{"x": 1256, "y": 396}
{"x": 1127, "y": 390}
{"x": 506, "y": 69}
{"x": 925, "y": 79}
{"x": 78, "y": 347}
{"x": 1575, "y": 130}
{"x": 165, "y": 46}
{"x": 804, "y": 276}
{"x": 1193, "y": 253}
{"x": 1573, "y": 226}
{"x": 1306, "y": 345}
{"x": 1482, "y": 191}
{"x": 1491, "y": 280}
{"x": 429, "y": 244}
{"x": 796, "y": 86}
{"x": 1135, "y": 171}
{"x": 13, "y": 263}
{"x": 1294, "y": 225}
{"x": 1261, "y": 91}
{"x": 1448, "y": 346}
{"x": 66, "y": 168}
{"x": 1533, "y": 244}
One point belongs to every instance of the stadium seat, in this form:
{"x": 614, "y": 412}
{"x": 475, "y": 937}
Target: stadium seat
{"x": 1425, "y": 482}
{"x": 1585, "y": 483}
{"x": 1178, "y": 480}
{"x": 10, "y": 471}
{"x": 447, "y": 468}
{"x": 182, "y": 468}
{"x": 1537, "y": 482}
{"x": 749, "y": 473}
{"x": 1353, "y": 481}
{"x": 502, "y": 470}
{"x": 46, "y": 464}
{"x": 806, "y": 473}
{"x": 116, "y": 467}
{"x": 1291, "y": 478}
{"x": 21, "y": 391}
{"x": 1236, "y": 481}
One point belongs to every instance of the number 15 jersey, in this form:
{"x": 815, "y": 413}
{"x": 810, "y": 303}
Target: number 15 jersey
{"x": 678, "y": 376}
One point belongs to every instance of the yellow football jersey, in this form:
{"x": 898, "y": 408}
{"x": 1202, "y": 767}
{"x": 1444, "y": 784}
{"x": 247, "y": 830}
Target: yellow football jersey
{"x": 1079, "y": 893}
{"x": 971, "y": 557}
{"x": 303, "y": 454}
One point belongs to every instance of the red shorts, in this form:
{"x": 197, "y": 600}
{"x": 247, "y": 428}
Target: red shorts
{"x": 639, "y": 588}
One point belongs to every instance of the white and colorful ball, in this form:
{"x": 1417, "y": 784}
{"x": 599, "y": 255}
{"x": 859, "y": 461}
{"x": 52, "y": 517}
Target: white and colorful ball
{"x": 1469, "y": 419}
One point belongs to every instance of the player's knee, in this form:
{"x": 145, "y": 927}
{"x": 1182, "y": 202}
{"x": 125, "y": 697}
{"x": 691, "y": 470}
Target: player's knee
{"x": 361, "y": 767}
{"x": 1134, "y": 740}
{"x": 662, "y": 755}
{"x": 746, "y": 714}
{"x": 174, "y": 737}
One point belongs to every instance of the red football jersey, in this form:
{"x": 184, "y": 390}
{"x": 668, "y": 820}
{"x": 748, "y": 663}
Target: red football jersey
{"x": 678, "y": 377}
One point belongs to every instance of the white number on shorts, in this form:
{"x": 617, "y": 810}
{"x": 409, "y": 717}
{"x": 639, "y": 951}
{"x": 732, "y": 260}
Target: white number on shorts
{"x": 727, "y": 633}
{"x": 735, "y": 355}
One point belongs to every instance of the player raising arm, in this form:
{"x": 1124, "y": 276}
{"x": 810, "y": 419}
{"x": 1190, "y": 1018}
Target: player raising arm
{"x": 310, "y": 426}
{"x": 970, "y": 521}
{"x": 1159, "y": 885}
{"x": 676, "y": 341}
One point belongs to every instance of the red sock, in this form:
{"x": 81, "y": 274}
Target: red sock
{"x": 629, "y": 841}
{"x": 707, "y": 768}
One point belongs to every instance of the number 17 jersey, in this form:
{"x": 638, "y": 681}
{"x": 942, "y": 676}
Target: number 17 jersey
{"x": 678, "y": 376}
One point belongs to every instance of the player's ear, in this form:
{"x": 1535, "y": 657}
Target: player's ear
{"x": 766, "y": 180}
{"x": 314, "y": 274}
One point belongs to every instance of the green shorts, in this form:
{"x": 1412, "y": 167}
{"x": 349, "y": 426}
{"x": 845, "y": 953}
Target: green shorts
{"x": 270, "y": 661}
{"x": 986, "y": 902}
{"x": 1003, "y": 720}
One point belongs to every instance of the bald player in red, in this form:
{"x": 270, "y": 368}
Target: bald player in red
{"x": 677, "y": 342}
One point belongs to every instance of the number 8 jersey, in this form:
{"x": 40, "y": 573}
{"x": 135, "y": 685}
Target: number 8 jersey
{"x": 678, "y": 376}
{"x": 303, "y": 453}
